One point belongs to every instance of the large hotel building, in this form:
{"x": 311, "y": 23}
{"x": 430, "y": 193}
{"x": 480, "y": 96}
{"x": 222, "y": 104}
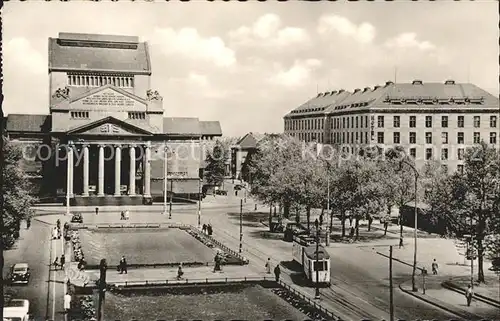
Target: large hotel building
{"x": 102, "y": 110}
{"x": 432, "y": 121}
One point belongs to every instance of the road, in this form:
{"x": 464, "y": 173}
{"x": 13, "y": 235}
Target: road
{"x": 37, "y": 249}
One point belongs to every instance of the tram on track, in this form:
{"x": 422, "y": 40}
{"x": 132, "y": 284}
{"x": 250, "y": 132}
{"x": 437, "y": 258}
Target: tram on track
{"x": 304, "y": 252}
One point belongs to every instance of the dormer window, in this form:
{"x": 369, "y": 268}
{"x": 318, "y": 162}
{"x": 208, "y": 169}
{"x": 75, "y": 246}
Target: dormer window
{"x": 137, "y": 115}
{"x": 79, "y": 115}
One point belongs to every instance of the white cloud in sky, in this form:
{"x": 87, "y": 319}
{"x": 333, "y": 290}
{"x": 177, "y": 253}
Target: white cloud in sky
{"x": 267, "y": 31}
{"x": 298, "y": 74}
{"x": 409, "y": 40}
{"x": 189, "y": 43}
{"x": 19, "y": 52}
{"x": 363, "y": 33}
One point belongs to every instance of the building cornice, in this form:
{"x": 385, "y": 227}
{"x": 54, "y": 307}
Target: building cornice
{"x": 84, "y": 70}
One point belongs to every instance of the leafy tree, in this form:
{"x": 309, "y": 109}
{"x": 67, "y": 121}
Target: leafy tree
{"x": 216, "y": 167}
{"x": 17, "y": 201}
{"x": 470, "y": 202}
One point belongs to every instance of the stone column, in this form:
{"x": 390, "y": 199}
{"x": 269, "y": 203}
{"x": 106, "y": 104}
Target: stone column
{"x": 131, "y": 185}
{"x": 100, "y": 187}
{"x": 118, "y": 160}
{"x": 147, "y": 171}
{"x": 85, "y": 170}
{"x": 71, "y": 169}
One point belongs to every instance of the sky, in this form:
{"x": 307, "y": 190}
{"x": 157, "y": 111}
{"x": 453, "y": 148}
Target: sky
{"x": 248, "y": 64}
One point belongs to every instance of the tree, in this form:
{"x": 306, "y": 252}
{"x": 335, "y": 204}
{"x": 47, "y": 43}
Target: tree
{"x": 216, "y": 164}
{"x": 17, "y": 201}
{"x": 470, "y": 202}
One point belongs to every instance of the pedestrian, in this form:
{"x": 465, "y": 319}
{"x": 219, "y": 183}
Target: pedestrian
{"x": 179, "y": 272}
{"x": 268, "y": 265}
{"x": 58, "y": 224}
{"x": 96, "y": 210}
{"x": 255, "y": 207}
{"x": 435, "y": 267}
{"x": 217, "y": 262}
{"x": 277, "y": 272}
{"x": 63, "y": 260}
{"x": 370, "y": 220}
{"x": 56, "y": 263}
{"x": 386, "y": 225}
{"x": 351, "y": 233}
{"x": 235, "y": 193}
{"x": 127, "y": 216}
{"x": 401, "y": 242}
{"x": 350, "y": 220}
{"x": 469, "y": 293}
{"x": 122, "y": 215}
{"x": 209, "y": 229}
{"x": 67, "y": 302}
{"x": 204, "y": 228}
{"x": 123, "y": 265}
{"x": 28, "y": 223}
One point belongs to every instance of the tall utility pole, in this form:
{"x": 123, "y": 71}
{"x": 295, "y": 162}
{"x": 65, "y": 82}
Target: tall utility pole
{"x": 165, "y": 173}
{"x": 471, "y": 253}
{"x": 199, "y": 186}
{"x": 391, "y": 295}
{"x": 316, "y": 223}
{"x": 102, "y": 289}
{"x": 241, "y": 225}
{"x": 171, "y": 197}
{"x": 328, "y": 232}
{"x": 413, "y": 275}
{"x": 69, "y": 153}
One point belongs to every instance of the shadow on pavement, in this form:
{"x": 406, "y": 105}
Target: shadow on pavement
{"x": 250, "y": 216}
{"x": 292, "y": 266}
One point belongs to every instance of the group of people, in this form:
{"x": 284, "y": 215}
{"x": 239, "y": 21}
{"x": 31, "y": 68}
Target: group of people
{"x": 277, "y": 270}
{"x": 207, "y": 229}
{"x": 59, "y": 262}
{"x": 124, "y": 215}
{"x": 56, "y": 231}
{"x": 218, "y": 260}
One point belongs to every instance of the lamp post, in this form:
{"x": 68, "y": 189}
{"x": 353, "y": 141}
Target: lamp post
{"x": 165, "y": 174}
{"x": 316, "y": 223}
{"x": 328, "y": 231}
{"x": 102, "y": 289}
{"x": 199, "y": 186}
{"x": 413, "y": 275}
{"x": 241, "y": 226}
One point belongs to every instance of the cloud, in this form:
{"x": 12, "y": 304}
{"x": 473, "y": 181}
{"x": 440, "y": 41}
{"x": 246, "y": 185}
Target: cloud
{"x": 296, "y": 75}
{"x": 266, "y": 31}
{"x": 409, "y": 41}
{"x": 188, "y": 42}
{"x": 363, "y": 33}
{"x": 19, "y": 51}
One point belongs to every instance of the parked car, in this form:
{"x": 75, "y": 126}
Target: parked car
{"x": 20, "y": 273}
{"x": 16, "y": 310}
{"x": 220, "y": 192}
{"x": 77, "y": 218}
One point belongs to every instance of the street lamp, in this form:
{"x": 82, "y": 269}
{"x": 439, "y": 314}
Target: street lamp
{"x": 241, "y": 226}
{"x": 69, "y": 151}
{"x": 413, "y": 275}
{"x": 316, "y": 223}
{"x": 328, "y": 224}
{"x": 165, "y": 174}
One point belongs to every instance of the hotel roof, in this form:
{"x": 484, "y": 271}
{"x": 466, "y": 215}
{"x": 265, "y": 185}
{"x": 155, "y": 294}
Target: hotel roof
{"x": 94, "y": 52}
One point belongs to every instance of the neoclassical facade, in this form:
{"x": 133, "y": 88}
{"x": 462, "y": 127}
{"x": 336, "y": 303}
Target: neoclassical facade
{"x": 106, "y": 137}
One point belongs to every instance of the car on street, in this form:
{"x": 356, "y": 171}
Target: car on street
{"x": 77, "y": 218}
{"x": 20, "y": 273}
{"x": 238, "y": 187}
{"x": 220, "y": 192}
{"x": 16, "y": 310}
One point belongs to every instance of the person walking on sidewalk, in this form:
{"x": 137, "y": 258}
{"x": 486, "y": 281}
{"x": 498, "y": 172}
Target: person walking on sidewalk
{"x": 180, "y": 273}
{"x": 268, "y": 265}
{"x": 67, "y": 302}
{"x": 277, "y": 272}
{"x": 401, "y": 242}
{"x": 56, "y": 263}
{"x": 63, "y": 260}
{"x": 96, "y": 210}
{"x": 434, "y": 267}
{"x": 469, "y": 293}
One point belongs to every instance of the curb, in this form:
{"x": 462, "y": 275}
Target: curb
{"x": 453, "y": 287}
{"x": 441, "y": 305}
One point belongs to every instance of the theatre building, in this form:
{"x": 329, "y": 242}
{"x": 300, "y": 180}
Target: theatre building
{"x": 105, "y": 137}
{"x": 432, "y": 121}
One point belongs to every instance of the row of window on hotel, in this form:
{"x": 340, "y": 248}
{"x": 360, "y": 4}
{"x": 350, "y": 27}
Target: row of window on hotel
{"x": 86, "y": 115}
{"x": 97, "y": 81}
{"x": 357, "y": 122}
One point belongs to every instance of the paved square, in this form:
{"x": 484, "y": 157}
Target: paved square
{"x": 143, "y": 246}
{"x": 235, "y": 303}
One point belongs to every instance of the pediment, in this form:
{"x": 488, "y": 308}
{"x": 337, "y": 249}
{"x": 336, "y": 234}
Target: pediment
{"x": 109, "y": 126}
{"x": 107, "y": 97}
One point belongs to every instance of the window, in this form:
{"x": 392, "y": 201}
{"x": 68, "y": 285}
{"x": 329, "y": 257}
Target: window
{"x": 413, "y": 137}
{"x": 352, "y": 137}
{"x": 428, "y": 138}
{"x": 461, "y": 153}
{"x": 477, "y": 138}
{"x": 460, "y": 169}
{"x": 477, "y": 121}
{"x": 357, "y": 137}
{"x": 396, "y": 137}
{"x": 444, "y": 121}
{"x": 413, "y": 121}
{"x": 343, "y": 122}
{"x": 343, "y": 138}
{"x": 380, "y": 121}
{"x": 413, "y": 152}
{"x": 357, "y": 122}
{"x": 460, "y": 121}
{"x": 380, "y": 137}
{"x": 101, "y": 80}
{"x": 444, "y": 138}
{"x": 136, "y": 115}
{"x": 79, "y": 114}
{"x": 361, "y": 137}
{"x": 397, "y": 121}
{"x": 348, "y": 125}
{"x": 460, "y": 138}
{"x": 428, "y": 153}
{"x": 493, "y": 121}
{"x": 428, "y": 121}
{"x": 366, "y": 137}
{"x": 319, "y": 266}
{"x": 444, "y": 154}
{"x": 366, "y": 121}
{"x": 493, "y": 138}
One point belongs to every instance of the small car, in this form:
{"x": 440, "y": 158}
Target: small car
{"x": 77, "y": 218}
{"x": 20, "y": 273}
{"x": 16, "y": 310}
{"x": 220, "y": 192}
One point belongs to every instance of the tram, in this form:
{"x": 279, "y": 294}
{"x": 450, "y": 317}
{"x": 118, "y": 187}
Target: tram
{"x": 304, "y": 250}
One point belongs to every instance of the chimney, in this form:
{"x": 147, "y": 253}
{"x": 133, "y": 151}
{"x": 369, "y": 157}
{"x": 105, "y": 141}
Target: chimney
{"x": 366, "y": 89}
{"x": 357, "y": 90}
{"x": 376, "y": 87}
{"x": 319, "y": 94}
{"x": 449, "y": 82}
{"x": 417, "y": 82}
{"x": 387, "y": 83}
{"x": 327, "y": 93}
{"x": 333, "y": 93}
{"x": 341, "y": 91}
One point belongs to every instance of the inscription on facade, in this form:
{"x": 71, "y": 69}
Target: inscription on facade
{"x": 108, "y": 99}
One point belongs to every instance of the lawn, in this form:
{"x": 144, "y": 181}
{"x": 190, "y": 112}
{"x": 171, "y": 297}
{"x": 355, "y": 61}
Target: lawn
{"x": 235, "y": 303}
{"x": 143, "y": 246}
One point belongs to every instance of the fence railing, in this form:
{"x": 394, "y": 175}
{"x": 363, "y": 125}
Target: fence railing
{"x": 220, "y": 245}
{"x": 190, "y": 281}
